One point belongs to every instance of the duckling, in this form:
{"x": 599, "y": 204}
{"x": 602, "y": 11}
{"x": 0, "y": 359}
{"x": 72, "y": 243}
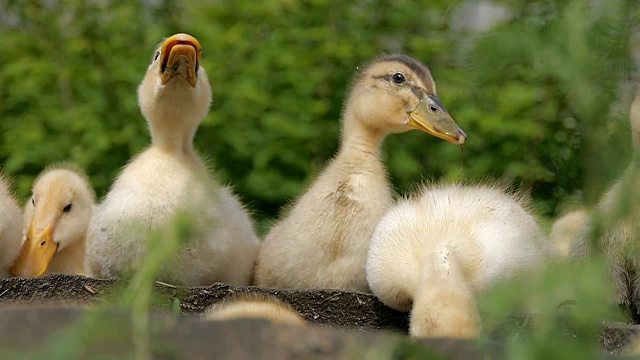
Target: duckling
{"x": 617, "y": 234}
{"x": 10, "y": 230}
{"x": 565, "y": 229}
{"x": 322, "y": 242}
{"x": 433, "y": 253}
{"x": 169, "y": 179}
{"x": 56, "y": 219}
{"x": 254, "y": 306}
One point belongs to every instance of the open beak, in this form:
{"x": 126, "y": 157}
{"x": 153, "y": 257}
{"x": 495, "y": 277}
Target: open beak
{"x": 180, "y": 56}
{"x": 36, "y": 254}
{"x": 431, "y": 117}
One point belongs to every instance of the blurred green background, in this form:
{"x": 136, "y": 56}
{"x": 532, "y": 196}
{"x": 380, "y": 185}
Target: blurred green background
{"x": 541, "y": 88}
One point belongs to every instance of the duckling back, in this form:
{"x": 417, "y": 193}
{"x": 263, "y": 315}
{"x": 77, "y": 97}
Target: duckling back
{"x": 450, "y": 242}
{"x": 617, "y": 235}
{"x": 322, "y": 242}
{"x": 565, "y": 229}
{"x": 618, "y": 215}
{"x": 147, "y": 196}
{"x": 254, "y": 306}
{"x": 10, "y": 228}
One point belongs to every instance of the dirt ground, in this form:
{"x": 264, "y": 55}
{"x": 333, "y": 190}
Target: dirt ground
{"x": 347, "y": 313}
{"x": 345, "y": 309}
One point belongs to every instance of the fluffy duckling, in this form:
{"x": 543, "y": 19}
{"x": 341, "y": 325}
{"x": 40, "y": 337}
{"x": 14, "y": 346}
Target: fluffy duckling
{"x": 431, "y": 254}
{"x": 618, "y": 234}
{"x": 254, "y": 306}
{"x": 10, "y": 230}
{"x": 56, "y": 219}
{"x": 323, "y": 240}
{"x": 169, "y": 179}
{"x": 565, "y": 229}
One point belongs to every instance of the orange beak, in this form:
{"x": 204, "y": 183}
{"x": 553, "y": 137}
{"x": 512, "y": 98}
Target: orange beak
{"x": 181, "y": 55}
{"x": 36, "y": 254}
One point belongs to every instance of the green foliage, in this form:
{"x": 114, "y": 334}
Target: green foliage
{"x": 564, "y": 306}
{"x": 281, "y": 70}
{"x": 534, "y": 93}
{"x": 558, "y": 67}
{"x": 68, "y": 88}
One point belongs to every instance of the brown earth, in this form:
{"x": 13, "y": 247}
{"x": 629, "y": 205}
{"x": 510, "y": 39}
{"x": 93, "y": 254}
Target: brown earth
{"x": 24, "y": 323}
{"x": 327, "y": 307}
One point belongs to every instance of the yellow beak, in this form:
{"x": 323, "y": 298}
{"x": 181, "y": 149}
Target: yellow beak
{"x": 36, "y": 254}
{"x": 431, "y": 117}
{"x": 181, "y": 55}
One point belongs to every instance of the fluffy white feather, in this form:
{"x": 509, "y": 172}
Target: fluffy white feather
{"x": 10, "y": 228}
{"x": 433, "y": 253}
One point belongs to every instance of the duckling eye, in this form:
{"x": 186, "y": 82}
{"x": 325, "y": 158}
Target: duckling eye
{"x": 157, "y": 54}
{"x": 433, "y": 109}
{"x": 33, "y": 201}
{"x": 398, "y": 78}
{"x": 67, "y": 208}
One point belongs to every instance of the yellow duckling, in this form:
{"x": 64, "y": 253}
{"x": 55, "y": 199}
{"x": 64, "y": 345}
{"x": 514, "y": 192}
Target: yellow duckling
{"x": 168, "y": 179}
{"x": 56, "y": 219}
{"x": 254, "y": 306}
{"x": 10, "y": 228}
{"x": 431, "y": 254}
{"x": 619, "y": 235}
{"x": 323, "y": 240}
{"x": 565, "y": 229}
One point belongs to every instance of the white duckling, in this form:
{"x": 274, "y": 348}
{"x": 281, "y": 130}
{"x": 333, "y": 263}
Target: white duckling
{"x": 254, "y": 306}
{"x": 433, "y": 253}
{"x": 618, "y": 234}
{"x": 323, "y": 240}
{"x": 169, "y": 179}
{"x": 10, "y": 228}
{"x": 56, "y": 219}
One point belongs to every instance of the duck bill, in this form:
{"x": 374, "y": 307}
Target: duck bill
{"x": 180, "y": 56}
{"x": 439, "y": 123}
{"x": 36, "y": 254}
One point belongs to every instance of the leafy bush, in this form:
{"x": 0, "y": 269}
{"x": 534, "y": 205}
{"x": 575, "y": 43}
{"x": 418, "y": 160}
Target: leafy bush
{"x": 534, "y": 93}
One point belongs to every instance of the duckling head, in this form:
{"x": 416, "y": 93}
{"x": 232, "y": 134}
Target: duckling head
{"x": 175, "y": 94}
{"x": 56, "y": 216}
{"x": 395, "y": 94}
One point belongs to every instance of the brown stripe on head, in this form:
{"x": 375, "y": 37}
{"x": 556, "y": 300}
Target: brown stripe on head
{"x": 420, "y": 70}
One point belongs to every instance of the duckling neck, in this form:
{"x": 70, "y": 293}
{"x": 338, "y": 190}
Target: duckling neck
{"x": 174, "y": 110}
{"x": 357, "y": 137}
{"x": 172, "y": 138}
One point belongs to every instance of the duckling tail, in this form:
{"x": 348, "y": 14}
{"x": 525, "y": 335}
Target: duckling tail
{"x": 444, "y": 305}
